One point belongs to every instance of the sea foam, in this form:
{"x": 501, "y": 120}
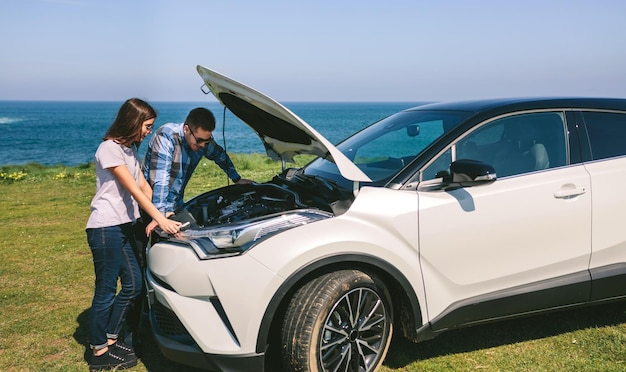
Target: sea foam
{"x": 9, "y": 120}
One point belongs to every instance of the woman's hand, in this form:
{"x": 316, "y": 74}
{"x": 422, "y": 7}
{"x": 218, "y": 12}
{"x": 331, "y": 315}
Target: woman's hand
{"x": 153, "y": 224}
{"x": 169, "y": 226}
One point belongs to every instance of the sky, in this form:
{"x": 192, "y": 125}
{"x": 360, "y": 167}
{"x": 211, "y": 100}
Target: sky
{"x": 324, "y": 50}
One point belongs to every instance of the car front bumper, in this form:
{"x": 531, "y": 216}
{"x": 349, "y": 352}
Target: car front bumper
{"x": 177, "y": 344}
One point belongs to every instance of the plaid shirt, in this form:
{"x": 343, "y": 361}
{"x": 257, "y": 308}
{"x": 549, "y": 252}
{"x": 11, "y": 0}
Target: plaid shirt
{"x": 170, "y": 162}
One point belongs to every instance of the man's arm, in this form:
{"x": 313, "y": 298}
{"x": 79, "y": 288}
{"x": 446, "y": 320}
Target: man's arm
{"x": 216, "y": 153}
{"x": 160, "y": 165}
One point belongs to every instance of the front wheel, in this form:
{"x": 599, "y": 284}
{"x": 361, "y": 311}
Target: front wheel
{"x": 340, "y": 321}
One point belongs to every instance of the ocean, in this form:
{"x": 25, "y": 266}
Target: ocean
{"x": 68, "y": 133}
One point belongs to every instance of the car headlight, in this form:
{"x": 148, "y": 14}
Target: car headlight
{"x": 234, "y": 239}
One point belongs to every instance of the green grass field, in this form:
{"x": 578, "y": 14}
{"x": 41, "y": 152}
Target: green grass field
{"x": 46, "y": 284}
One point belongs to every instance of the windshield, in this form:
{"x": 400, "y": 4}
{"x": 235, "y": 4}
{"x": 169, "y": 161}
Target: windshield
{"x": 384, "y": 148}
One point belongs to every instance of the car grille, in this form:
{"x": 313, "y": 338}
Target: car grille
{"x": 167, "y": 324}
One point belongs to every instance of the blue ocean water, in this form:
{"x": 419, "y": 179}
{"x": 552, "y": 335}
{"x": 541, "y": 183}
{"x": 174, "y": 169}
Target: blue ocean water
{"x": 68, "y": 133}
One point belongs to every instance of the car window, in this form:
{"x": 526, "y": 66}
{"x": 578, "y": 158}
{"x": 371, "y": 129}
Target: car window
{"x": 385, "y": 147}
{"x": 386, "y": 154}
{"x": 607, "y": 134}
{"x": 441, "y": 163}
{"x": 399, "y": 144}
{"x": 512, "y": 145}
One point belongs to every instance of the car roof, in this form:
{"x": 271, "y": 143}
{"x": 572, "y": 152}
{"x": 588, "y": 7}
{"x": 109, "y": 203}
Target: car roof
{"x": 528, "y": 103}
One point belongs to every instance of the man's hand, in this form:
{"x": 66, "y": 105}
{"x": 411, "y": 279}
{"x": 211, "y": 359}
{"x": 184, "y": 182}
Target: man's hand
{"x": 151, "y": 226}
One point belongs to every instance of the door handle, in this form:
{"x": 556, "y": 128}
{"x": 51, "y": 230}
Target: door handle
{"x": 570, "y": 193}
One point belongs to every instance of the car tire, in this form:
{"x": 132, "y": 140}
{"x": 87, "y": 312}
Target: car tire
{"x": 338, "y": 321}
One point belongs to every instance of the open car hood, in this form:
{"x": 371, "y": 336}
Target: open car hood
{"x": 283, "y": 133}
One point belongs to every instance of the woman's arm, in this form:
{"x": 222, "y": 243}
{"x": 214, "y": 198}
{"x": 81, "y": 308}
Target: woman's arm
{"x": 147, "y": 190}
{"x": 145, "y": 187}
{"x": 124, "y": 177}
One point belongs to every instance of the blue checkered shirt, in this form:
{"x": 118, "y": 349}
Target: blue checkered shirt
{"x": 170, "y": 162}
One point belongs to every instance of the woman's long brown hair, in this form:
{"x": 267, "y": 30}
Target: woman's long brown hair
{"x": 126, "y": 129}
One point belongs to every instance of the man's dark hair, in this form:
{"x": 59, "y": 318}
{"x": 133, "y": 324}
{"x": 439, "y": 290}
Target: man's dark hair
{"x": 200, "y": 118}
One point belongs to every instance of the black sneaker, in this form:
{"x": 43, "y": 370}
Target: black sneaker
{"x": 110, "y": 360}
{"x": 121, "y": 348}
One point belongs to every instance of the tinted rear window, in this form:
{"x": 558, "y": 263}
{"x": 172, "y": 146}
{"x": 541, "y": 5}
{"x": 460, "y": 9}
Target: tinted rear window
{"x": 607, "y": 134}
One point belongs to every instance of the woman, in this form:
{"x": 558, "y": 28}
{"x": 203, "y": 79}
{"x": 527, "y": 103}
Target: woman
{"x": 120, "y": 190}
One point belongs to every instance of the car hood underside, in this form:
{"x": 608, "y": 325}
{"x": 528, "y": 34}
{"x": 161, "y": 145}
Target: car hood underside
{"x": 283, "y": 133}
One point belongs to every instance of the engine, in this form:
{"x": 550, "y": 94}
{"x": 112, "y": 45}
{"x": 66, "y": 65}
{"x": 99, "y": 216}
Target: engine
{"x": 236, "y": 203}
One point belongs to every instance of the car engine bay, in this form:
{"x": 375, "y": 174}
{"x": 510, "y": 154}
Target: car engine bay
{"x": 240, "y": 202}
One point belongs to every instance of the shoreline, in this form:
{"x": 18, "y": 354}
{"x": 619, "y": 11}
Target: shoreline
{"x": 38, "y": 165}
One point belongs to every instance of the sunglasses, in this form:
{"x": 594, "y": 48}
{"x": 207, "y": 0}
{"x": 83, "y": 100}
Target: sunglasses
{"x": 200, "y": 141}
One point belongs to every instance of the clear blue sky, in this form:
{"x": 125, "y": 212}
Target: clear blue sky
{"x": 325, "y": 50}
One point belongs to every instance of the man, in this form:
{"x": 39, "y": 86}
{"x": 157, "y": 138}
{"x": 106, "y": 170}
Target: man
{"x": 173, "y": 154}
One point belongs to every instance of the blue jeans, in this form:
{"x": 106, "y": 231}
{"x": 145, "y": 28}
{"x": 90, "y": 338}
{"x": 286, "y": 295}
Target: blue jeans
{"x": 113, "y": 258}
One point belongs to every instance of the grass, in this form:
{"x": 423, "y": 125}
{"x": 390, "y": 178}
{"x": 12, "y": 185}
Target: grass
{"x": 46, "y": 284}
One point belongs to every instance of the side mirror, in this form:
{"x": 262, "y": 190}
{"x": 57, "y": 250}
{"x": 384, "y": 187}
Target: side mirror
{"x": 468, "y": 173}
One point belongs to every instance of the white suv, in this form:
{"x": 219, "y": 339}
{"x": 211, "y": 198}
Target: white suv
{"x": 403, "y": 226}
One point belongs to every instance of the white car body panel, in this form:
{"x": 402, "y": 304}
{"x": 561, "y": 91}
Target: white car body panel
{"x": 172, "y": 264}
{"x": 201, "y": 318}
{"x": 609, "y": 207}
{"x": 509, "y": 255}
{"x": 234, "y": 290}
{"x": 390, "y": 235}
{"x": 396, "y": 221}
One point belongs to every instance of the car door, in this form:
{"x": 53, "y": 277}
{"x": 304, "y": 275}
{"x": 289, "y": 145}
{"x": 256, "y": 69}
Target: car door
{"x": 605, "y": 138}
{"x": 518, "y": 245}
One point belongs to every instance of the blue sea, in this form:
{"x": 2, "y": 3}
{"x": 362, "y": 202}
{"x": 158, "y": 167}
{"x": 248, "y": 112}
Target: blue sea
{"x": 68, "y": 133}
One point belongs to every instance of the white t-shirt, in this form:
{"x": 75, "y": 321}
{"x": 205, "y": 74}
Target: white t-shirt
{"x": 113, "y": 204}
